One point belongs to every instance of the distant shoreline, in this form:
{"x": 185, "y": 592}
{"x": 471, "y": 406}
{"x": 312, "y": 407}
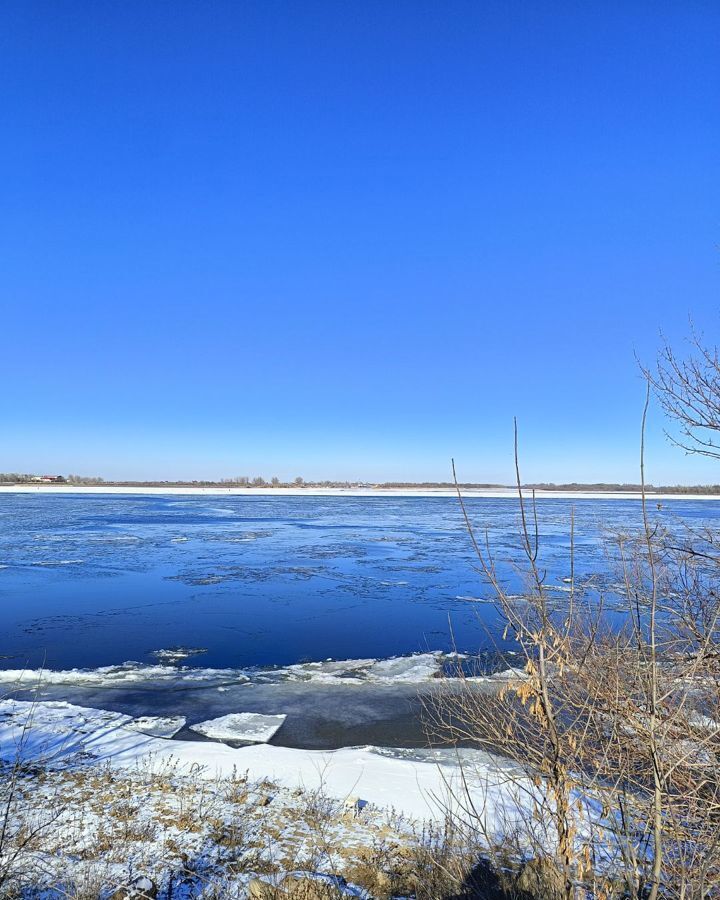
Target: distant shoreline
{"x": 487, "y": 493}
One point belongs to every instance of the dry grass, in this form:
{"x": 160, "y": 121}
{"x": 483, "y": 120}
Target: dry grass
{"x": 195, "y": 838}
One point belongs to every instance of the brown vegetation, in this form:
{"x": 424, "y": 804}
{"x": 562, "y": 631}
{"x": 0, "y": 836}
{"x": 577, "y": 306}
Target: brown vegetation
{"x": 616, "y": 726}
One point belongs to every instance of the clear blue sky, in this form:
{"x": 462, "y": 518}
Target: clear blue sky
{"x": 351, "y": 239}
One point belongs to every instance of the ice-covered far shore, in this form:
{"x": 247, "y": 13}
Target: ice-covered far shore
{"x": 490, "y": 493}
{"x": 419, "y": 784}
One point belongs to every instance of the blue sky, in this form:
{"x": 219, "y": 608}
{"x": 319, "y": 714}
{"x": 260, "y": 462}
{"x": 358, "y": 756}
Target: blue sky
{"x": 351, "y": 240}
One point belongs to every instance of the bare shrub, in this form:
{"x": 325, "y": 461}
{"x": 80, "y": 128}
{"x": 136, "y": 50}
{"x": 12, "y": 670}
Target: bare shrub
{"x": 613, "y": 728}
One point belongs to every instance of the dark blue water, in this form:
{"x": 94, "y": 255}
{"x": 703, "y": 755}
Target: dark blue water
{"x": 99, "y": 579}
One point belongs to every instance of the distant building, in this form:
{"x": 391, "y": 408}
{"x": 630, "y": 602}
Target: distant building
{"x": 48, "y": 479}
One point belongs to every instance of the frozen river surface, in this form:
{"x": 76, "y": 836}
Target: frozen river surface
{"x": 250, "y": 584}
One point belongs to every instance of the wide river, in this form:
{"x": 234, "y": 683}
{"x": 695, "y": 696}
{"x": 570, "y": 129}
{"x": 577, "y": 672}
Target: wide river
{"x": 96, "y": 580}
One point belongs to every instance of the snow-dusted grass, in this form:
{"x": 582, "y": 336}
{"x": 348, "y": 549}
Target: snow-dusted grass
{"x": 94, "y": 802}
{"x": 182, "y": 832}
{"x": 101, "y": 800}
{"x": 85, "y": 829}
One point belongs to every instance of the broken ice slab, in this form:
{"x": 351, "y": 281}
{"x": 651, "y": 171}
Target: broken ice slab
{"x": 157, "y": 726}
{"x": 252, "y": 728}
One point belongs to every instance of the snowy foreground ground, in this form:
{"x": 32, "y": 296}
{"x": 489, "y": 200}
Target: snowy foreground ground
{"x": 108, "y": 801}
{"x": 417, "y": 784}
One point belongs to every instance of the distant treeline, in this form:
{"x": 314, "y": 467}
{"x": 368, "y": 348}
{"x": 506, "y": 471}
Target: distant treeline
{"x": 439, "y": 485}
{"x": 14, "y": 478}
{"x": 246, "y": 481}
{"x": 24, "y": 478}
{"x": 627, "y": 488}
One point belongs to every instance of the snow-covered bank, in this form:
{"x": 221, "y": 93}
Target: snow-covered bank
{"x": 104, "y": 833}
{"x": 114, "y": 803}
{"x": 418, "y": 784}
{"x": 490, "y": 493}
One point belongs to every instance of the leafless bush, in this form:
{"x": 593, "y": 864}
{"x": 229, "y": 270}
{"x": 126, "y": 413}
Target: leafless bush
{"x": 613, "y": 728}
{"x": 688, "y": 389}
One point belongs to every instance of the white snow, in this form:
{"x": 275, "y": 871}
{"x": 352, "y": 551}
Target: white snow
{"x": 250, "y": 727}
{"x": 62, "y": 735}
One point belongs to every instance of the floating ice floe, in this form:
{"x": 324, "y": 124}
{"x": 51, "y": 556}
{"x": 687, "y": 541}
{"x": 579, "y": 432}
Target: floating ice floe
{"x": 177, "y": 654}
{"x": 158, "y": 726}
{"x": 251, "y": 728}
